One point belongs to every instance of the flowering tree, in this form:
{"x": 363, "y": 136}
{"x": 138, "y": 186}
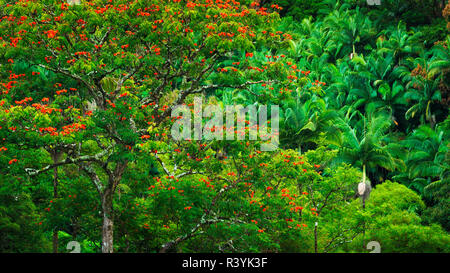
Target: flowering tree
{"x": 110, "y": 74}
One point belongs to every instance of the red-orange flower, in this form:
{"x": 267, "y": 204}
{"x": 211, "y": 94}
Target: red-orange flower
{"x": 51, "y": 33}
{"x": 12, "y": 161}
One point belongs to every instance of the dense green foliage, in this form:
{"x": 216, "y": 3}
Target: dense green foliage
{"x": 86, "y": 155}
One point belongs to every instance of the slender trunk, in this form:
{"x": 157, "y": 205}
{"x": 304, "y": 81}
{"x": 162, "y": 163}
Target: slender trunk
{"x": 108, "y": 222}
{"x": 364, "y": 181}
{"x": 76, "y": 227}
{"x": 55, "y": 158}
{"x": 364, "y": 236}
{"x": 315, "y": 237}
{"x": 299, "y": 194}
{"x": 127, "y": 244}
{"x": 364, "y": 173}
{"x": 432, "y": 120}
{"x": 364, "y": 206}
{"x": 55, "y": 241}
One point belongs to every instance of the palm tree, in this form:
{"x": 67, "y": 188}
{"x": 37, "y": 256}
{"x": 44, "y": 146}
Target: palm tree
{"x": 362, "y": 95}
{"x": 423, "y": 92}
{"x": 307, "y": 123}
{"x": 426, "y": 159}
{"x": 365, "y": 145}
{"x": 392, "y": 98}
{"x": 344, "y": 82}
{"x": 381, "y": 68}
{"x": 352, "y": 29}
{"x": 400, "y": 43}
{"x": 440, "y": 61}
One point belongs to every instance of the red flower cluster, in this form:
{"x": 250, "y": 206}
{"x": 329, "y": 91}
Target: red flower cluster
{"x": 51, "y": 33}
{"x": 12, "y": 161}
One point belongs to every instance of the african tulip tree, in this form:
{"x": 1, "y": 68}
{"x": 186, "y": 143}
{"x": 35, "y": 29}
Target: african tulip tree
{"x": 121, "y": 66}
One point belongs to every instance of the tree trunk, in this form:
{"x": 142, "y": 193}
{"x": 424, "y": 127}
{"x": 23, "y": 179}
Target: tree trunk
{"x": 364, "y": 173}
{"x": 106, "y": 194}
{"x": 55, "y": 157}
{"x": 364, "y": 181}
{"x": 55, "y": 241}
{"x": 127, "y": 244}
{"x": 299, "y": 194}
{"x": 432, "y": 120}
{"x": 315, "y": 237}
{"x": 364, "y": 206}
{"x": 108, "y": 222}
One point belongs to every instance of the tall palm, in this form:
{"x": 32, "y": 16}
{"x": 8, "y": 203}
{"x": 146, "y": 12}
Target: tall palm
{"x": 366, "y": 145}
{"x": 440, "y": 61}
{"x": 381, "y": 68}
{"x": 423, "y": 92}
{"x": 426, "y": 159}
{"x": 400, "y": 43}
{"x": 352, "y": 29}
{"x": 392, "y": 98}
{"x": 362, "y": 95}
{"x": 343, "y": 81}
{"x": 308, "y": 122}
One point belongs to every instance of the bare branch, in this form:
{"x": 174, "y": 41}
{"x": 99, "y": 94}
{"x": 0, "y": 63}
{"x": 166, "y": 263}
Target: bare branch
{"x": 69, "y": 160}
